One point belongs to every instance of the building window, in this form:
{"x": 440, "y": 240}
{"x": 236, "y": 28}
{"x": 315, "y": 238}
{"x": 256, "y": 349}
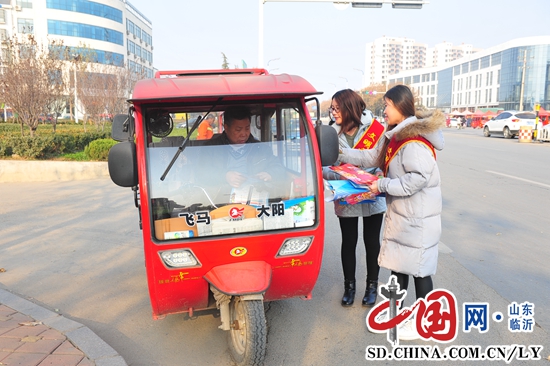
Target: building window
{"x": 63, "y": 28}
{"x": 27, "y": 4}
{"x": 485, "y": 61}
{"x": 474, "y": 65}
{"x": 496, "y": 58}
{"x": 86, "y": 7}
{"x": 93, "y": 55}
{"x": 2, "y": 16}
{"x": 25, "y": 25}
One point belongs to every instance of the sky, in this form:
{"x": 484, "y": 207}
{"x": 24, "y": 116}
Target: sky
{"x": 318, "y": 42}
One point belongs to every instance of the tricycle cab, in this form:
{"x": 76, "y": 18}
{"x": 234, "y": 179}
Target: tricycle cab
{"x": 204, "y": 237}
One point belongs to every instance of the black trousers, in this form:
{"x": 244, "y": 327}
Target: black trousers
{"x": 371, "y": 238}
{"x": 422, "y": 285}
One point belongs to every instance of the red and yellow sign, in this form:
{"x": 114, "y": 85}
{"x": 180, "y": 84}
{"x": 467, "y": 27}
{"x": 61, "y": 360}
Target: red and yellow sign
{"x": 238, "y": 251}
{"x": 371, "y": 136}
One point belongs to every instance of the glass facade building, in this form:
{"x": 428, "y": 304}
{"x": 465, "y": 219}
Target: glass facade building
{"x": 511, "y": 76}
{"x": 114, "y": 31}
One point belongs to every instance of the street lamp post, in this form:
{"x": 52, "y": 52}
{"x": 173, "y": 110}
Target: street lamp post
{"x": 273, "y": 59}
{"x": 341, "y": 77}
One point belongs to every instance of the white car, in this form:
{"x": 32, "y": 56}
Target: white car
{"x": 508, "y": 123}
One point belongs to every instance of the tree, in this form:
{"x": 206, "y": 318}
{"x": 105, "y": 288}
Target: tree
{"x": 31, "y": 78}
{"x": 225, "y": 64}
{"x": 103, "y": 89}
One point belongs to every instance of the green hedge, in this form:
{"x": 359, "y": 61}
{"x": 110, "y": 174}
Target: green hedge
{"x": 46, "y": 146}
{"x": 99, "y": 149}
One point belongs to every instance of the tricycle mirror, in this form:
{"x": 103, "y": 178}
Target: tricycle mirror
{"x": 123, "y": 127}
{"x": 123, "y": 164}
{"x": 327, "y": 138}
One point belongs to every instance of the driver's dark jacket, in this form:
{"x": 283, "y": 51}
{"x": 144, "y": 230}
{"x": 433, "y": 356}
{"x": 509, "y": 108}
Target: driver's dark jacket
{"x": 259, "y": 158}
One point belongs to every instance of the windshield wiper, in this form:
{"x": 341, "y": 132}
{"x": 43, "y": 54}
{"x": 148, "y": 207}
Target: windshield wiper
{"x": 184, "y": 143}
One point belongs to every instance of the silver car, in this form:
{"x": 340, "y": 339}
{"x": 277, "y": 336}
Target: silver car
{"x": 508, "y": 123}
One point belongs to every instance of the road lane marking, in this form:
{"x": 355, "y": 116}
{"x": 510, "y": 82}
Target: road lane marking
{"x": 518, "y": 178}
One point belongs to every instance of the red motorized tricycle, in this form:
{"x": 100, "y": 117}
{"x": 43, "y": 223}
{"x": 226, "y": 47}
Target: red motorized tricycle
{"x": 209, "y": 241}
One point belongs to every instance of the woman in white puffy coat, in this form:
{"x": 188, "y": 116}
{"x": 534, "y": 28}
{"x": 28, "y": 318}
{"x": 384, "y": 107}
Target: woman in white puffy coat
{"x": 351, "y": 122}
{"x": 412, "y": 226}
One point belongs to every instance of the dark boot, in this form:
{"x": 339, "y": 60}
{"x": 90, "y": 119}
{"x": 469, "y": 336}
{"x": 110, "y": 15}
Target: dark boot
{"x": 370, "y": 293}
{"x": 349, "y": 293}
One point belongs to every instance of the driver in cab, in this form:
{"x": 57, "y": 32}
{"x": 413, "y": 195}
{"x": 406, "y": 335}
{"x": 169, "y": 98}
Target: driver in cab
{"x": 246, "y": 161}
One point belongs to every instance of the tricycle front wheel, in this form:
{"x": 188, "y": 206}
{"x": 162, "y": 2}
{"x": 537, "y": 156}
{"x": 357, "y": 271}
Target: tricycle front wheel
{"x": 248, "y": 335}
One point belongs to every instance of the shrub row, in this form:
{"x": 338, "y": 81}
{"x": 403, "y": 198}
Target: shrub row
{"x": 99, "y": 149}
{"x": 47, "y": 129}
{"x": 45, "y": 147}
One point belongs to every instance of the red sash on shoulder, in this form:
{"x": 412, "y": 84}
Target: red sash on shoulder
{"x": 394, "y": 146}
{"x": 371, "y": 136}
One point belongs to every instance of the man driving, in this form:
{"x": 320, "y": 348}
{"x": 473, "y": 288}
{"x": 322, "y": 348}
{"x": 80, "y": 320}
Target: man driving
{"x": 245, "y": 161}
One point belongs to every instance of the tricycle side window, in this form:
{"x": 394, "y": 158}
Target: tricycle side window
{"x": 231, "y": 176}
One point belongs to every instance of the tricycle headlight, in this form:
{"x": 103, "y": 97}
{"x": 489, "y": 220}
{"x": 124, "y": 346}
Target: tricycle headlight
{"x": 179, "y": 258}
{"x": 294, "y": 246}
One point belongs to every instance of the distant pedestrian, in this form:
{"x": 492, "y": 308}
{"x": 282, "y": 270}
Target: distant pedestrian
{"x": 206, "y": 128}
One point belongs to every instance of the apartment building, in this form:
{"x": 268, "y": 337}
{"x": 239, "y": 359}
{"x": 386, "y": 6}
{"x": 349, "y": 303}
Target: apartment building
{"x": 387, "y": 56}
{"x": 390, "y": 55}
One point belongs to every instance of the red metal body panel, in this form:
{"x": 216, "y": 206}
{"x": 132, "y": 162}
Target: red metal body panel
{"x": 174, "y": 290}
{"x": 252, "y": 277}
{"x": 220, "y": 83}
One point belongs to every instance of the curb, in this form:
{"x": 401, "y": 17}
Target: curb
{"x": 97, "y": 350}
{"x": 49, "y": 171}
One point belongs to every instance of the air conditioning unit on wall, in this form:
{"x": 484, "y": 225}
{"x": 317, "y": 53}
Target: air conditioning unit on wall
{"x": 17, "y": 7}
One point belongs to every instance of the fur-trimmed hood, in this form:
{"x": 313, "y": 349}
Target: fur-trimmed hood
{"x": 427, "y": 124}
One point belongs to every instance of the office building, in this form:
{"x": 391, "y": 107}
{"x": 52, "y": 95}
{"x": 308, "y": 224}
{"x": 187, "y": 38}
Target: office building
{"x": 114, "y": 31}
{"x": 511, "y": 76}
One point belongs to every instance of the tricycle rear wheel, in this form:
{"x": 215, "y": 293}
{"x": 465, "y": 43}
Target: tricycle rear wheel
{"x": 248, "y": 335}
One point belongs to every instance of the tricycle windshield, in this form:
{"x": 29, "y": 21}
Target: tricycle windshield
{"x": 245, "y": 168}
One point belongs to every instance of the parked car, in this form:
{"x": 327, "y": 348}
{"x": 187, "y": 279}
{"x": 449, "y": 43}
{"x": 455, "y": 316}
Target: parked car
{"x": 508, "y": 123}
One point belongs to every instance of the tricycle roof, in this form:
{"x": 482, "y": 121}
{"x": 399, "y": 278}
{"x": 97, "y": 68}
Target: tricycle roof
{"x": 191, "y": 84}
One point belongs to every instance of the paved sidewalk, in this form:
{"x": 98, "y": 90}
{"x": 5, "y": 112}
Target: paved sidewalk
{"x": 31, "y": 335}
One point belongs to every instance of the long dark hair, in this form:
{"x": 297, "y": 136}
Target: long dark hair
{"x": 403, "y": 100}
{"x": 351, "y": 109}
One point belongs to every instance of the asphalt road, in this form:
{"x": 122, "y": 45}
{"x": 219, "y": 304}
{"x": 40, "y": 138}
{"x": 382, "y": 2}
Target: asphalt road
{"x": 75, "y": 247}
